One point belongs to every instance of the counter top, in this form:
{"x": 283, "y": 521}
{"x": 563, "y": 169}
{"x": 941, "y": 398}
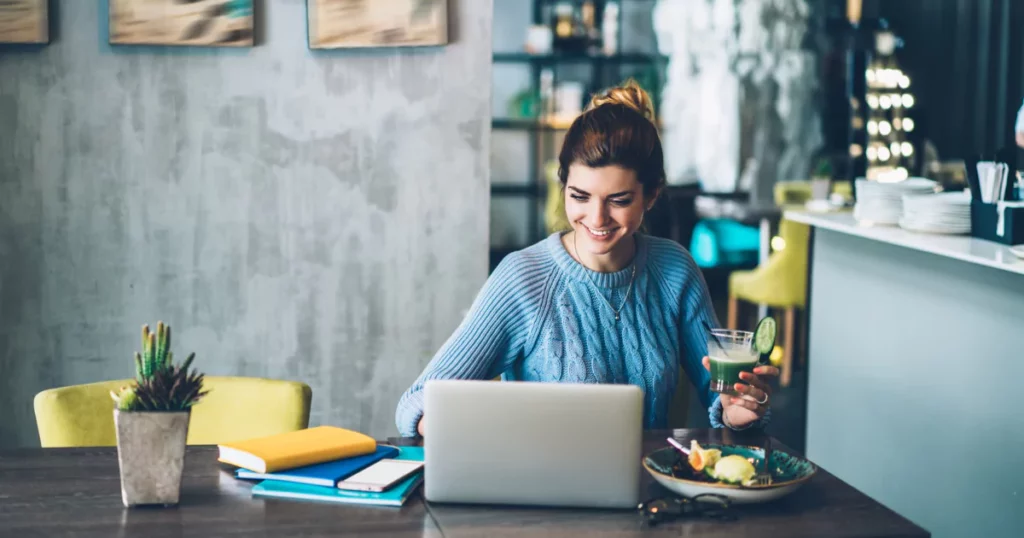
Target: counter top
{"x": 960, "y": 247}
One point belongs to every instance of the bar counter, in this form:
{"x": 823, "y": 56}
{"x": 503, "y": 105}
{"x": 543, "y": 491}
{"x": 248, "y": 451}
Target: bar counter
{"x": 909, "y": 335}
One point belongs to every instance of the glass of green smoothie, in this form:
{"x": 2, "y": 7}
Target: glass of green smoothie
{"x": 730, "y": 352}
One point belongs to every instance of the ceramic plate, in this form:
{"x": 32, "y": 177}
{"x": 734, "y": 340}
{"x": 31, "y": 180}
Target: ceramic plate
{"x": 957, "y": 198}
{"x": 789, "y": 473}
{"x": 935, "y": 227}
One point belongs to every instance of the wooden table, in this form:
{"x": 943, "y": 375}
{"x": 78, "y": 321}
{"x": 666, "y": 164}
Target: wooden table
{"x": 76, "y": 492}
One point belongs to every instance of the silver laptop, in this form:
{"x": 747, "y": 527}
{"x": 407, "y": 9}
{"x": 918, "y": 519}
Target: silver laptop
{"x": 546, "y": 444}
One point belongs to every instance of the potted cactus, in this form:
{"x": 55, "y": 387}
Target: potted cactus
{"x": 151, "y": 416}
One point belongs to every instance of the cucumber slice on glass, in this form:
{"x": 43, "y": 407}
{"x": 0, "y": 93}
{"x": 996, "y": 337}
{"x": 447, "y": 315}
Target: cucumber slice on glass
{"x": 764, "y": 336}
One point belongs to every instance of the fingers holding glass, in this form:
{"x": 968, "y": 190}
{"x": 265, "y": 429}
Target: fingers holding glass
{"x": 753, "y": 394}
{"x": 756, "y": 382}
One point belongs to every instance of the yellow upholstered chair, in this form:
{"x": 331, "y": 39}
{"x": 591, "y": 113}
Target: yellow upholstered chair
{"x": 794, "y": 194}
{"x": 554, "y": 204}
{"x": 781, "y": 283}
{"x": 236, "y": 408}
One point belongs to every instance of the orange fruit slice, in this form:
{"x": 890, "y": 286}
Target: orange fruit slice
{"x": 696, "y": 459}
{"x": 701, "y": 458}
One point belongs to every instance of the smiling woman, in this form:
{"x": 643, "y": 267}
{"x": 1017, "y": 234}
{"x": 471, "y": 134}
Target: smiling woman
{"x": 613, "y": 169}
{"x": 603, "y": 303}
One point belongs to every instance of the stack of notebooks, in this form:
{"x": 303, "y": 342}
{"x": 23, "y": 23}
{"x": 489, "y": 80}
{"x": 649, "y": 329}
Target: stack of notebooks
{"x": 308, "y": 464}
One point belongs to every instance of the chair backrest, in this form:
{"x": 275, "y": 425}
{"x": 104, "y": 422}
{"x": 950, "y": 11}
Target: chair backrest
{"x": 555, "y": 219}
{"x": 791, "y": 267}
{"x": 792, "y": 192}
{"x": 724, "y": 242}
{"x": 235, "y": 408}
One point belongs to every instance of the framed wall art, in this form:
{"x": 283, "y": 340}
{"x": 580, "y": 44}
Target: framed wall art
{"x": 339, "y": 24}
{"x": 24, "y": 21}
{"x": 203, "y": 23}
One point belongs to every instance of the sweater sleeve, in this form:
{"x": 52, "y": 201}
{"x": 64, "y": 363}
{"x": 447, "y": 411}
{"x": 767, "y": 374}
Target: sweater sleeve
{"x": 697, "y": 311}
{"x": 486, "y": 343}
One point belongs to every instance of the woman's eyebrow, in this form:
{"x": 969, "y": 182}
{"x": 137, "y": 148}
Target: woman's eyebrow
{"x": 615, "y": 195}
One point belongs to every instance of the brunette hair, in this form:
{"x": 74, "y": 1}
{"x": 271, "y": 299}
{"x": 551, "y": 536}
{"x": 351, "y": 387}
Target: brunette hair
{"x": 617, "y": 128}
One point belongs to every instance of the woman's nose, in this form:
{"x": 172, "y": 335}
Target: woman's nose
{"x": 600, "y": 213}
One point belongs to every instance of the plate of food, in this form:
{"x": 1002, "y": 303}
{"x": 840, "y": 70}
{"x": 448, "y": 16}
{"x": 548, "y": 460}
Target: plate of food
{"x": 728, "y": 470}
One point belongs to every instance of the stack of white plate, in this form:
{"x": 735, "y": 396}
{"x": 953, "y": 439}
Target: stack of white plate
{"x": 882, "y": 203}
{"x": 943, "y": 213}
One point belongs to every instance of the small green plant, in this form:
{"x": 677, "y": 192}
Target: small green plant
{"x": 160, "y": 385}
{"x": 823, "y": 168}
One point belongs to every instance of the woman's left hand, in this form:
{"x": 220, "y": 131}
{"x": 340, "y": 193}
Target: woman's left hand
{"x": 754, "y": 397}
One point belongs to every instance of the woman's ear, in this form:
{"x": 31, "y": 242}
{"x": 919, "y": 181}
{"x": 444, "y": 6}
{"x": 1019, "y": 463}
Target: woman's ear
{"x": 654, "y": 199}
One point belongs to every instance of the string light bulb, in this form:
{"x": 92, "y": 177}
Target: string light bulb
{"x": 890, "y": 100}
{"x": 893, "y": 77}
{"x": 778, "y": 243}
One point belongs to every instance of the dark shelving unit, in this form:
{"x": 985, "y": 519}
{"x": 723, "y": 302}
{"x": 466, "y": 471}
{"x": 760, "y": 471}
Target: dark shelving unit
{"x": 604, "y": 70}
{"x": 524, "y": 124}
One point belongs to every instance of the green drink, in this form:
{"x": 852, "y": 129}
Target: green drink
{"x": 730, "y": 354}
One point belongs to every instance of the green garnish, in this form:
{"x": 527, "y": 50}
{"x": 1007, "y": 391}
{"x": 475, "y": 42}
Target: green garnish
{"x": 764, "y": 336}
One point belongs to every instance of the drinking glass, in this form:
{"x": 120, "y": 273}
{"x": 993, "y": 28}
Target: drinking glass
{"x": 730, "y": 352}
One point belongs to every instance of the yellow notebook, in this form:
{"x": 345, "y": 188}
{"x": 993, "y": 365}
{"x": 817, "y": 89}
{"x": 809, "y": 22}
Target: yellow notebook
{"x": 296, "y": 449}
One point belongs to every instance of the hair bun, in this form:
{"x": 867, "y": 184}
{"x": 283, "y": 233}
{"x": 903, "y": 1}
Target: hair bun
{"x": 629, "y": 94}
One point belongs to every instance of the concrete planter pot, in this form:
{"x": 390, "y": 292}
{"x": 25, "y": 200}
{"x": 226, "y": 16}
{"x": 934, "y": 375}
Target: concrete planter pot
{"x": 151, "y": 454}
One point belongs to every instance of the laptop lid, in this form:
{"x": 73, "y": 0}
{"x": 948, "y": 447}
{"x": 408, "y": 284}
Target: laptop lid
{"x": 551, "y": 444}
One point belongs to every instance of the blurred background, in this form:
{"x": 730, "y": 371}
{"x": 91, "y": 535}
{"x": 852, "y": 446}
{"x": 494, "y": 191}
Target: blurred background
{"x": 764, "y": 105}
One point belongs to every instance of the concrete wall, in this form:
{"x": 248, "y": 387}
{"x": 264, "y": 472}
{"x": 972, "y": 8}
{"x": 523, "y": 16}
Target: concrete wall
{"x": 297, "y": 215}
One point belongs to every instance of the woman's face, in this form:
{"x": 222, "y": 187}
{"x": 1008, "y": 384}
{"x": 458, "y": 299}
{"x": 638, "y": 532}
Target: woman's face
{"x": 605, "y": 206}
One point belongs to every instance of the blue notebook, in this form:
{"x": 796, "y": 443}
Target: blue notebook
{"x": 325, "y": 474}
{"x": 395, "y": 496}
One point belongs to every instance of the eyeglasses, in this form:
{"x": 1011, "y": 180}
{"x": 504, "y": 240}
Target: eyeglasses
{"x": 705, "y": 506}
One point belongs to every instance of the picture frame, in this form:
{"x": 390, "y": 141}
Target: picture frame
{"x": 348, "y": 24}
{"x": 198, "y": 23}
{"x": 25, "y": 22}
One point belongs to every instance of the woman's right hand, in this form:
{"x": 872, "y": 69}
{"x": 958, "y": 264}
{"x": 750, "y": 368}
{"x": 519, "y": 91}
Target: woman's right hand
{"x": 419, "y": 426}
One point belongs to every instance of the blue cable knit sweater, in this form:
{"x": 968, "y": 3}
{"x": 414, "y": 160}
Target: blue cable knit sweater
{"x": 539, "y": 318}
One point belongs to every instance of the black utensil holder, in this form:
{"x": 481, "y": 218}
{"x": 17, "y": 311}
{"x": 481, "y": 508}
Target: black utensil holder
{"x": 985, "y": 219}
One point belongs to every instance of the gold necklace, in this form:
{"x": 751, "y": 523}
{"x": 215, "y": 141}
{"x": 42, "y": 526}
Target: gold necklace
{"x": 632, "y": 275}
